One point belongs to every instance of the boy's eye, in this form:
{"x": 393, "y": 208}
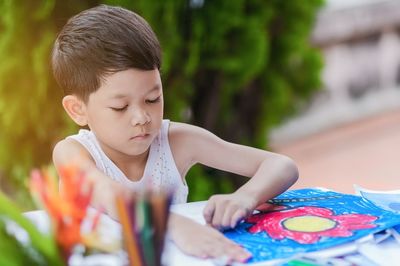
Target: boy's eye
{"x": 154, "y": 100}
{"x": 119, "y": 109}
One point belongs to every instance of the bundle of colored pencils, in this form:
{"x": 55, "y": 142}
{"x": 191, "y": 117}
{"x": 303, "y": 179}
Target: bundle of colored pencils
{"x": 144, "y": 224}
{"x": 67, "y": 207}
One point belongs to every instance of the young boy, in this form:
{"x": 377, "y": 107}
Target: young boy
{"x": 107, "y": 60}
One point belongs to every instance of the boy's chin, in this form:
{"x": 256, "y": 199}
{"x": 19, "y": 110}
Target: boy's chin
{"x": 136, "y": 151}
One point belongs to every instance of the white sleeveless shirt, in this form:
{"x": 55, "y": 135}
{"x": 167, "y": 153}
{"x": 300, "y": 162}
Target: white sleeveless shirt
{"x": 160, "y": 171}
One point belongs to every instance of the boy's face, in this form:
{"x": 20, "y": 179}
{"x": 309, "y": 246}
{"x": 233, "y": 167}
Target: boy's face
{"x": 126, "y": 112}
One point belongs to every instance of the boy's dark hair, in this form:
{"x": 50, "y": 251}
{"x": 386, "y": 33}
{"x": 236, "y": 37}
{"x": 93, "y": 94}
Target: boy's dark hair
{"x": 100, "y": 41}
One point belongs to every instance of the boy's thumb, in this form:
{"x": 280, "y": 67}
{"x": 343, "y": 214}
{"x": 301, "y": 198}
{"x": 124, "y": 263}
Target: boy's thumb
{"x": 208, "y": 211}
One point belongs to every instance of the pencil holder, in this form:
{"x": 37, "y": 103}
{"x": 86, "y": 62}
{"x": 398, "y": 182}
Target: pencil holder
{"x": 144, "y": 223}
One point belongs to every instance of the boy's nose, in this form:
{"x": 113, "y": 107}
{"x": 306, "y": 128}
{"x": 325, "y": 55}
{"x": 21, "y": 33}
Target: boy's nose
{"x": 140, "y": 117}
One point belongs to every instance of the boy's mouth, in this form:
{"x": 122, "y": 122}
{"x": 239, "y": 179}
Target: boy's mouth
{"x": 140, "y": 136}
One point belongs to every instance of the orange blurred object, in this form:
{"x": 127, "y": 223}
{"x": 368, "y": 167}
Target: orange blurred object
{"x": 67, "y": 208}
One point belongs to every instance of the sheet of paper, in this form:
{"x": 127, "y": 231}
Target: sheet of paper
{"x": 192, "y": 210}
{"x": 387, "y": 253}
{"x": 388, "y": 200}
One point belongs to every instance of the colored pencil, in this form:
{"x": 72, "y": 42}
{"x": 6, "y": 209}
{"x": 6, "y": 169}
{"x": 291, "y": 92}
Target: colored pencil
{"x": 128, "y": 233}
{"x": 145, "y": 227}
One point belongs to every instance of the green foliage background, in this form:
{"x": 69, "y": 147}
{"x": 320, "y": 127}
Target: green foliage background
{"x": 236, "y": 67}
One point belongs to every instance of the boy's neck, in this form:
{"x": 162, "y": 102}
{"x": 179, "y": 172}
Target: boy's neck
{"x": 132, "y": 166}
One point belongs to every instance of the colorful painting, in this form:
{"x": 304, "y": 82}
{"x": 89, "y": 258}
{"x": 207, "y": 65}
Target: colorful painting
{"x": 308, "y": 220}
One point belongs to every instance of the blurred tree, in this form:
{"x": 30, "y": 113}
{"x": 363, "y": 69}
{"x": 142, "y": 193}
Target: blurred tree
{"x": 31, "y": 115}
{"x": 234, "y": 67}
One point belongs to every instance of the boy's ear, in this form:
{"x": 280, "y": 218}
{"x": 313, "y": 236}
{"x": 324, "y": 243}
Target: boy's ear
{"x": 76, "y": 109}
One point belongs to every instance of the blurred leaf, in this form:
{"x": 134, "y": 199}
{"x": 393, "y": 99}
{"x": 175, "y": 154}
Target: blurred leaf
{"x": 12, "y": 252}
{"x": 43, "y": 244}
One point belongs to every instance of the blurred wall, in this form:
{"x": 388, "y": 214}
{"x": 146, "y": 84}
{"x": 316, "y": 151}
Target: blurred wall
{"x": 361, "y": 48}
{"x": 350, "y": 131}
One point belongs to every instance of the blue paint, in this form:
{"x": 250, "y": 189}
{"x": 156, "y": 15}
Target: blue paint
{"x": 394, "y": 206}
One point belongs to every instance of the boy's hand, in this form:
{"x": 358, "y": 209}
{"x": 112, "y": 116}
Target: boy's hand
{"x": 225, "y": 211}
{"x": 204, "y": 241}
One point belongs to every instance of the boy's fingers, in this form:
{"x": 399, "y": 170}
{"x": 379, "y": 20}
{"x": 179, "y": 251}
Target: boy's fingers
{"x": 218, "y": 247}
{"x": 217, "y": 216}
{"x": 201, "y": 252}
{"x": 236, "y": 217}
{"x": 227, "y": 217}
{"x": 208, "y": 211}
{"x": 237, "y": 253}
{"x": 242, "y": 256}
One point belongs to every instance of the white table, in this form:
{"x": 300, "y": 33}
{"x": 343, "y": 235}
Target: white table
{"x": 171, "y": 256}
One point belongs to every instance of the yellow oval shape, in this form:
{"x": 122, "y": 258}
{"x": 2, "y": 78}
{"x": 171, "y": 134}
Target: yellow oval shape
{"x": 309, "y": 224}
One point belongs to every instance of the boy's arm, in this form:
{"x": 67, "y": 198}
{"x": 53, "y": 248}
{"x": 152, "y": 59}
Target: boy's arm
{"x": 207, "y": 242}
{"x": 271, "y": 173}
{"x": 105, "y": 189}
{"x": 72, "y": 152}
